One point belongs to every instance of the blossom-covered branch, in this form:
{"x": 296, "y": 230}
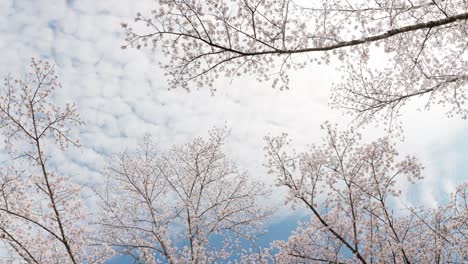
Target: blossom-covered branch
{"x": 424, "y": 41}
{"x": 40, "y": 210}
{"x": 351, "y": 189}
{"x": 154, "y": 201}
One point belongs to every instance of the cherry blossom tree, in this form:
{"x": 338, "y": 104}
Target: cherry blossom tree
{"x": 41, "y": 214}
{"x": 351, "y": 190}
{"x": 424, "y": 43}
{"x": 443, "y": 232}
{"x": 171, "y": 206}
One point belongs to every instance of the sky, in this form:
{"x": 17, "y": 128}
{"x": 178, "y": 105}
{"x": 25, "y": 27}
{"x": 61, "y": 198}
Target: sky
{"x": 122, "y": 94}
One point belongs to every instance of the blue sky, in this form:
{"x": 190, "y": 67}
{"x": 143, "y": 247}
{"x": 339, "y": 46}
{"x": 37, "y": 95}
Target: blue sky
{"x": 122, "y": 95}
{"x": 277, "y": 231}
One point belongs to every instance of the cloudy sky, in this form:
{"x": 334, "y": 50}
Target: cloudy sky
{"x": 121, "y": 95}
